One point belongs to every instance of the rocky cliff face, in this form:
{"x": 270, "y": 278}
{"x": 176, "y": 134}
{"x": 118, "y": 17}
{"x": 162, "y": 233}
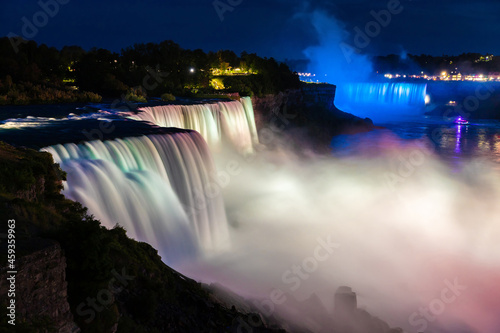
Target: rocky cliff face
{"x": 294, "y": 101}
{"x": 270, "y": 107}
{"x": 323, "y": 94}
{"x": 41, "y": 289}
{"x": 305, "y": 118}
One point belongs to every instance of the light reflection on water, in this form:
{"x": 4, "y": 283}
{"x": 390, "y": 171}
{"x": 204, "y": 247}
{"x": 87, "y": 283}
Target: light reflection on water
{"x": 459, "y": 137}
{"x": 452, "y": 143}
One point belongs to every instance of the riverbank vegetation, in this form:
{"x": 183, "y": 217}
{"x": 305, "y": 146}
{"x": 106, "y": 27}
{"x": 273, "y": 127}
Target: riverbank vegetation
{"x": 41, "y": 74}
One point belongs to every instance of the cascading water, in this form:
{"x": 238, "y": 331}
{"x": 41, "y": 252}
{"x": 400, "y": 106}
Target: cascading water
{"x": 375, "y": 100}
{"x": 202, "y": 118}
{"x": 155, "y": 186}
{"x": 238, "y": 124}
{"x": 412, "y": 238}
{"x": 248, "y": 106}
{"x": 217, "y": 122}
{"x": 381, "y": 93}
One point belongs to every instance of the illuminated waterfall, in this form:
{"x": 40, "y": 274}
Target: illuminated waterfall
{"x": 397, "y": 94}
{"x": 202, "y": 118}
{"x": 155, "y": 186}
{"x": 162, "y": 188}
{"x": 231, "y": 121}
{"x": 381, "y": 101}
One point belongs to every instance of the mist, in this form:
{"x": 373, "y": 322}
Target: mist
{"x": 334, "y": 59}
{"x": 402, "y": 228}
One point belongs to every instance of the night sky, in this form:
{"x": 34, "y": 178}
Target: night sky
{"x": 277, "y": 28}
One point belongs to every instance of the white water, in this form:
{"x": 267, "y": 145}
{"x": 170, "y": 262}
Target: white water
{"x": 232, "y": 121}
{"x": 402, "y": 234}
{"x": 401, "y": 94}
{"x": 400, "y": 241}
{"x": 156, "y": 186}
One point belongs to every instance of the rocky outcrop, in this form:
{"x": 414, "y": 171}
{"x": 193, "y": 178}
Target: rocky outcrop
{"x": 41, "y": 289}
{"x": 323, "y": 94}
{"x": 305, "y": 118}
{"x": 33, "y": 191}
{"x": 347, "y": 318}
{"x": 296, "y": 102}
{"x": 270, "y": 107}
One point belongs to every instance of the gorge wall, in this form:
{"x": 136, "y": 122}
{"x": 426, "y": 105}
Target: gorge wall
{"x": 41, "y": 289}
{"x": 305, "y": 118}
{"x": 292, "y": 101}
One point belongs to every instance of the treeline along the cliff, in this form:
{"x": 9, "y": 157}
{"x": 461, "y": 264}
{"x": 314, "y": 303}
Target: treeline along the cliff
{"x": 32, "y": 73}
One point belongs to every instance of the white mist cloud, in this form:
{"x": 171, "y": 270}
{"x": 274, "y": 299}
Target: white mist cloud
{"x": 406, "y": 226}
{"x": 334, "y": 55}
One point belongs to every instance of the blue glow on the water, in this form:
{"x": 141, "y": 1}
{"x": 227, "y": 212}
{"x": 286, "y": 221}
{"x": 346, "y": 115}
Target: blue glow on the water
{"x": 381, "y": 101}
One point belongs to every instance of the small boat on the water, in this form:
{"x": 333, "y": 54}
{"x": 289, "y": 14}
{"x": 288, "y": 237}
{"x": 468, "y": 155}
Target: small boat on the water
{"x": 461, "y": 121}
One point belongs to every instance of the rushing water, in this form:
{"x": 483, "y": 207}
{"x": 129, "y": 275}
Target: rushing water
{"x": 407, "y": 208}
{"x": 232, "y": 121}
{"x": 380, "y": 93}
{"x": 381, "y": 101}
{"x": 163, "y": 189}
{"x": 159, "y": 187}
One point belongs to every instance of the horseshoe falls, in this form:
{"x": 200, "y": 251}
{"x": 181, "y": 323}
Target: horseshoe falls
{"x": 155, "y": 186}
{"x": 381, "y": 101}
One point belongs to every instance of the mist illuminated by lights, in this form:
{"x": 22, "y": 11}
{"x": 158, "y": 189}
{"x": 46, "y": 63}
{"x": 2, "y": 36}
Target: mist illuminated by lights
{"x": 405, "y": 225}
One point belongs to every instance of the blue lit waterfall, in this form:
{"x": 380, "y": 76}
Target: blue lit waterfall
{"x": 378, "y": 99}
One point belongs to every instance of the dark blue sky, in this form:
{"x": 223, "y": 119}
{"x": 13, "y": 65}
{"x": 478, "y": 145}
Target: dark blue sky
{"x": 278, "y": 28}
